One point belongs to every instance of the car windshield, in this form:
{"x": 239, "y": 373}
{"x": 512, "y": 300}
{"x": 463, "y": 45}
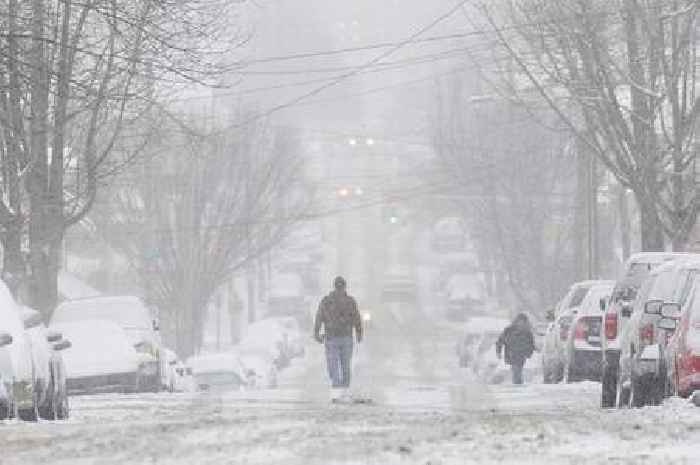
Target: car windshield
{"x": 578, "y": 296}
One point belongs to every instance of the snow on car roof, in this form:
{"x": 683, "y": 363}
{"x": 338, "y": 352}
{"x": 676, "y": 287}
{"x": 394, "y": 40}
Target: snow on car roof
{"x": 591, "y": 303}
{"x": 128, "y": 311}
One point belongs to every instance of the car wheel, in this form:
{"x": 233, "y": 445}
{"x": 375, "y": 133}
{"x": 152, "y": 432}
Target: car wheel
{"x": 30, "y": 414}
{"x": 608, "y": 393}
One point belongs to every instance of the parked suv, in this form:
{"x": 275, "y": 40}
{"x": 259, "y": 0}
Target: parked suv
{"x": 618, "y": 310}
{"x": 642, "y": 371}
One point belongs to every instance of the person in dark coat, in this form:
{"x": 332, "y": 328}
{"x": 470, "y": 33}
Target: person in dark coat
{"x": 519, "y": 345}
{"x": 338, "y": 315}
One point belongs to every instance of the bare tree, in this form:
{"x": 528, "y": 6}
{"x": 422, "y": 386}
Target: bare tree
{"x": 516, "y": 179}
{"x": 191, "y": 218}
{"x": 77, "y": 80}
{"x": 621, "y": 75}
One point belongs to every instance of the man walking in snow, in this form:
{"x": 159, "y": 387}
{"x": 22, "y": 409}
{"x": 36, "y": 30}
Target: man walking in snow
{"x": 519, "y": 345}
{"x": 338, "y": 314}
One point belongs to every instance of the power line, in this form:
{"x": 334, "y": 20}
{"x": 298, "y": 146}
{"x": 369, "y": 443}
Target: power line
{"x": 342, "y": 77}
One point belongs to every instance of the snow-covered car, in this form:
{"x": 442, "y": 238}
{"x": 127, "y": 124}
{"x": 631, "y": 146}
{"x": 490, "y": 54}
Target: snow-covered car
{"x": 133, "y": 316}
{"x": 618, "y": 310}
{"x": 465, "y": 296}
{"x": 474, "y": 329}
{"x": 449, "y": 235}
{"x": 293, "y": 336}
{"x": 184, "y": 382}
{"x": 102, "y": 358}
{"x": 270, "y": 336}
{"x": 260, "y": 369}
{"x": 49, "y": 369}
{"x": 642, "y": 369}
{"x": 399, "y": 286}
{"x": 583, "y": 356}
{"x": 16, "y": 375}
{"x": 218, "y": 372}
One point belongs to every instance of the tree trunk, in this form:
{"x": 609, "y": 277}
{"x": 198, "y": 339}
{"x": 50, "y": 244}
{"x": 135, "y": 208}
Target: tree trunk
{"x": 625, "y": 224}
{"x": 580, "y": 213}
{"x": 651, "y": 230}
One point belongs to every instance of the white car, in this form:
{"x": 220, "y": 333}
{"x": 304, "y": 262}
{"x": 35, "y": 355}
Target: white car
{"x": 49, "y": 369}
{"x": 102, "y": 358}
{"x": 583, "y": 355}
{"x": 219, "y": 372}
{"x": 133, "y": 316}
{"x": 16, "y": 375}
{"x": 260, "y": 369}
{"x": 269, "y": 336}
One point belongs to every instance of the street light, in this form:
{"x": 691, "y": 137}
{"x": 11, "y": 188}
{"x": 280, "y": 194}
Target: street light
{"x": 369, "y": 141}
{"x": 352, "y": 141}
{"x": 343, "y": 192}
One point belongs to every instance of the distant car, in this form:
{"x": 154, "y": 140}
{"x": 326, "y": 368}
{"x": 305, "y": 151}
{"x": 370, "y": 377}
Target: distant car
{"x": 133, "y": 316}
{"x": 49, "y": 369}
{"x": 102, "y": 358}
{"x": 449, "y": 235}
{"x": 682, "y": 355}
{"x": 287, "y": 298}
{"x": 218, "y": 372}
{"x": 617, "y": 314}
{"x": 465, "y": 296}
{"x": 399, "y": 286}
{"x": 17, "y": 385}
{"x": 583, "y": 356}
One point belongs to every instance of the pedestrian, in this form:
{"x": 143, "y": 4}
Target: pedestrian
{"x": 338, "y": 314}
{"x": 519, "y": 345}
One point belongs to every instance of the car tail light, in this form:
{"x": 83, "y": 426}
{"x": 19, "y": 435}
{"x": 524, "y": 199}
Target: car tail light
{"x": 610, "y": 325}
{"x": 580, "y": 330}
{"x": 646, "y": 334}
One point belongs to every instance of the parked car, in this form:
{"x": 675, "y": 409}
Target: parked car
{"x": 184, "y": 382}
{"x": 556, "y": 338}
{"x": 270, "y": 336}
{"x": 133, "y": 316}
{"x": 682, "y": 355}
{"x": 49, "y": 369}
{"x": 102, "y": 358}
{"x": 583, "y": 359}
{"x": 449, "y": 235}
{"x": 642, "y": 378}
{"x": 218, "y": 372}
{"x": 475, "y": 328}
{"x": 260, "y": 369}
{"x": 17, "y": 395}
{"x": 399, "y": 286}
{"x": 618, "y": 311}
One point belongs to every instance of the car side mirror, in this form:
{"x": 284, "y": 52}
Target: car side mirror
{"x": 653, "y": 307}
{"x": 5, "y": 339}
{"x": 671, "y": 310}
{"x": 63, "y": 345}
{"x": 53, "y": 336}
{"x": 32, "y": 320}
{"x": 668, "y": 324}
{"x": 156, "y": 327}
{"x": 603, "y": 304}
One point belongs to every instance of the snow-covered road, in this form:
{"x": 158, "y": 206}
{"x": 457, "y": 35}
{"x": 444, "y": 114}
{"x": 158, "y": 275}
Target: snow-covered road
{"x": 427, "y": 412}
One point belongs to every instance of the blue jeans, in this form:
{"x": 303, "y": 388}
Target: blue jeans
{"x": 517, "y": 370}
{"x": 339, "y": 360}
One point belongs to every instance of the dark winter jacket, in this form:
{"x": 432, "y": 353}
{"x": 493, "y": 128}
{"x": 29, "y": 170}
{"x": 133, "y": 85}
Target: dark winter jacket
{"x": 338, "y": 314}
{"x": 518, "y": 341}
